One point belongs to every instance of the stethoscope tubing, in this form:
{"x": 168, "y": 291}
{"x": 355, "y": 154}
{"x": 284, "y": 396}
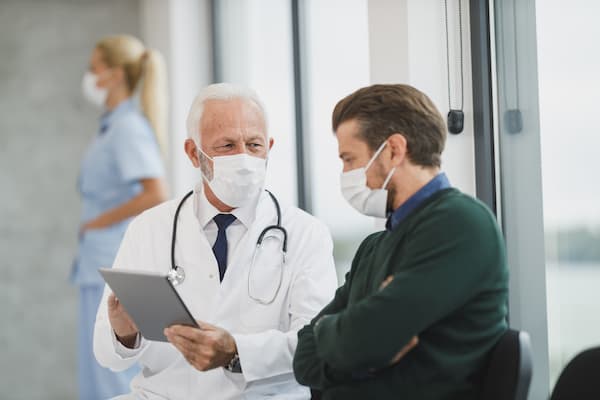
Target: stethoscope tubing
{"x": 176, "y": 273}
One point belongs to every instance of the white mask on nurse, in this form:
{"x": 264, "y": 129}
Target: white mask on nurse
{"x": 367, "y": 201}
{"x": 237, "y": 179}
{"x": 92, "y": 93}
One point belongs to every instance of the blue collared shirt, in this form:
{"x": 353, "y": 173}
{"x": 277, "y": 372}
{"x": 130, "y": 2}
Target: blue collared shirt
{"x": 440, "y": 182}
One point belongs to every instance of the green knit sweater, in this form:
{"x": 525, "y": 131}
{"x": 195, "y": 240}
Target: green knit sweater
{"x": 450, "y": 289}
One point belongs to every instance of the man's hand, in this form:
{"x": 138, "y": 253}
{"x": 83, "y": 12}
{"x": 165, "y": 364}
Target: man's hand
{"x": 121, "y": 322}
{"x": 386, "y": 282}
{"x": 414, "y": 341}
{"x": 205, "y": 348}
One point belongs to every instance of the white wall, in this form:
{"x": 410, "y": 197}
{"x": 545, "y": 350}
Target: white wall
{"x": 180, "y": 29}
{"x": 45, "y": 127}
{"x": 407, "y": 45}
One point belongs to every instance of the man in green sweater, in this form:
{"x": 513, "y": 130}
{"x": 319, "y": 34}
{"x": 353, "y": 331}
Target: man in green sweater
{"x": 425, "y": 300}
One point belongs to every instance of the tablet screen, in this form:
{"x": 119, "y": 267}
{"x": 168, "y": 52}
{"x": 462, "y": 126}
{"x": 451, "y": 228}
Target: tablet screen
{"x": 150, "y": 299}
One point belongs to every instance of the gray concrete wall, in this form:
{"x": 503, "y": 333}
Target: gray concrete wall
{"x": 45, "y": 126}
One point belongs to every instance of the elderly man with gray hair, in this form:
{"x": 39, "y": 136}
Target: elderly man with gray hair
{"x": 249, "y": 300}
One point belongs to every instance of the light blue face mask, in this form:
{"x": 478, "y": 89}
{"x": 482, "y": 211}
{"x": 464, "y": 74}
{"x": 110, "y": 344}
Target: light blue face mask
{"x": 367, "y": 201}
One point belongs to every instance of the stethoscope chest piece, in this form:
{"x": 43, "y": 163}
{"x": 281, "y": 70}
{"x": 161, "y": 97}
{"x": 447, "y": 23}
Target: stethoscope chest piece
{"x": 176, "y": 276}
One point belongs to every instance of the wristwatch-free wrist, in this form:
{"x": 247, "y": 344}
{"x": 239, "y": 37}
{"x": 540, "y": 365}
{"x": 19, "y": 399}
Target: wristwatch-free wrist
{"x": 234, "y": 364}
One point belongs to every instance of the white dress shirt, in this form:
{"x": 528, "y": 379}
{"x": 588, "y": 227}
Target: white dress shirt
{"x": 205, "y": 212}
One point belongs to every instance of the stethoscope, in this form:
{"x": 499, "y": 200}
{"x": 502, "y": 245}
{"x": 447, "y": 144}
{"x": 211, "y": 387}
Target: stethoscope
{"x": 177, "y": 274}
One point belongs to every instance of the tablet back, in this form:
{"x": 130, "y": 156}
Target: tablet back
{"x": 150, "y": 299}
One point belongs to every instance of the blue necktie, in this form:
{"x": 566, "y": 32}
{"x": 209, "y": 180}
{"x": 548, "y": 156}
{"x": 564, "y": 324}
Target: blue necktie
{"x": 220, "y": 246}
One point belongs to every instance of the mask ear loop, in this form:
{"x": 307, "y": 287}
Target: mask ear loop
{"x": 379, "y": 150}
{"x": 200, "y": 154}
{"x": 203, "y": 153}
{"x": 372, "y": 160}
{"x": 389, "y": 178}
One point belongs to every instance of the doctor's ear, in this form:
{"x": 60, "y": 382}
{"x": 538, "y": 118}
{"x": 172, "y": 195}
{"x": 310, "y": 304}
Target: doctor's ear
{"x": 271, "y": 142}
{"x": 192, "y": 152}
{"x": 398, "y": 148}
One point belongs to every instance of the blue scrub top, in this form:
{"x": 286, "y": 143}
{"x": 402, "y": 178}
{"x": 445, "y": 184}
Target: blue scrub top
{"x": 124, "y": 151}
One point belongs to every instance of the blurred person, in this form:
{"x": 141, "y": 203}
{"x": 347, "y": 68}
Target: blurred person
{"x": 122, "y": 174}
{"x": 425, "y": 300}
{"x": 249, "y": 300}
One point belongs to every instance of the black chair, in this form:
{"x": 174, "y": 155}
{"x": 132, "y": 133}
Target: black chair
{"x": 508, "y": 373}
{"x": 580, "y": 379}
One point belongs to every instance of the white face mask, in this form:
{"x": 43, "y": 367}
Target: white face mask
{"x": 238, "y": 179}
{"x": 91, "y": 92}
{"x": 367, "y": 201}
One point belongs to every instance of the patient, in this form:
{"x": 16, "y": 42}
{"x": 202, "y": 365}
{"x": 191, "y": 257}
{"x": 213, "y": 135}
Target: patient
{"x": 437, "y": 272}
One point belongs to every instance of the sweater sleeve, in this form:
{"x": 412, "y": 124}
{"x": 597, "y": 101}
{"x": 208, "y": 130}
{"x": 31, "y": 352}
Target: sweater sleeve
{"x": 449, "y": 258}
{"x": 309, "y": 369}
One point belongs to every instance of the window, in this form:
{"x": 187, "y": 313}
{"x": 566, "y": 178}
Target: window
{"x": 548, "y": 92}
{"x": 569, "y": 96}
{"x": 336, "y": 64}
{"x": 254, "y": 48}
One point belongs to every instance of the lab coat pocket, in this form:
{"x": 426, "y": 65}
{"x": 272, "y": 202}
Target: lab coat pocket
{"x": 267, "y": 285}
{"x": 166, "y": 373}
{"x": 159, "y": 358}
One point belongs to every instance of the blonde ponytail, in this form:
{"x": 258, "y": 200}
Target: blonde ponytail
{"x": 153, "y": 95}
{"x": 147, "y": 66}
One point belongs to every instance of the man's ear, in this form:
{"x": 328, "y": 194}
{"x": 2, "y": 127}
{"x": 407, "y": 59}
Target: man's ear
{"x": 271, "y": 142}
{"x": 192, "y": 152}
{"x": 398, "y": 148}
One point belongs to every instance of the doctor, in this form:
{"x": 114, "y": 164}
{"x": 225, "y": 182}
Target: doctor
{"x": 249, "y": 302}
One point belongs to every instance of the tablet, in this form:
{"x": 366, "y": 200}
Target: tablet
{"x": 150, "y": 299}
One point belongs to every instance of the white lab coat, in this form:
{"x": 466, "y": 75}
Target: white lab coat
{"x": 266, "y": 335}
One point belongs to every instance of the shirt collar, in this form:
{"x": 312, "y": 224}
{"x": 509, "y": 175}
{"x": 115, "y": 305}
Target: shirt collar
{"x": 109, "y": 116}
{"x": 205, "y": 212}
{"x": 439, "y": 182}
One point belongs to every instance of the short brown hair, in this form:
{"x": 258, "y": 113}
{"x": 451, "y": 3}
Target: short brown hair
{"x": 383, "y": 110}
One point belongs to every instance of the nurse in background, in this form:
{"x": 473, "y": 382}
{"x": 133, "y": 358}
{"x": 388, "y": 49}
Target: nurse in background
{"x": 122, "y": 174}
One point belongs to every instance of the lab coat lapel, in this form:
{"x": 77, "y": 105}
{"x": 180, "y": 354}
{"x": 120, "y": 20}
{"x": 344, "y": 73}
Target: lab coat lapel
{"x": 194, "y": 254}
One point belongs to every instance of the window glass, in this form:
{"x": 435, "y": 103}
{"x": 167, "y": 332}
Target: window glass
{"x": 569, "y": 89}
{"x": 254, "y": 48}
{"x": 336, "y": 61}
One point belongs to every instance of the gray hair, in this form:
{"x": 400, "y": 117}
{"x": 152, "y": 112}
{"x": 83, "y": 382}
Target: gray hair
{"x": 220, "y": 91}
